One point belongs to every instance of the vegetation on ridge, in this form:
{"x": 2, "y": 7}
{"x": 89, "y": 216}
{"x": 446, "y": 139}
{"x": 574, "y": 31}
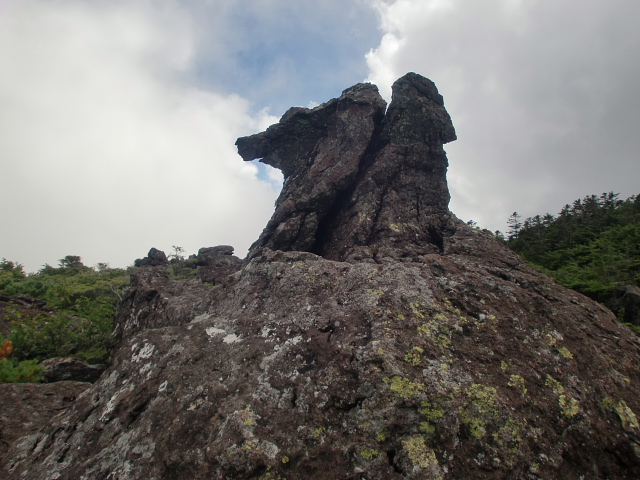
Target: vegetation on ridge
{"x": 76, "y": 321}
{"x": 592, "y": 246}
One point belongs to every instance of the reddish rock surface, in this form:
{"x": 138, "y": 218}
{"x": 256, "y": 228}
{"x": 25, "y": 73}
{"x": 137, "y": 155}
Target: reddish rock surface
{"x": 414, "y": 348}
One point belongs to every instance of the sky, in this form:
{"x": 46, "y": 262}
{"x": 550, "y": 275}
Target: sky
{"x": 118, "y": 118}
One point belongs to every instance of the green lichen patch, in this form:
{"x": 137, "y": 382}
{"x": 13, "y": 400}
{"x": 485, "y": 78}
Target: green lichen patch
{"x": 318, "y": 432}
{"x": 404, "y": 387}
{"x": 269, "y": 475}
{"x": 517, "y": 382}
{"x": 627, "y": 417}
{"x": 564, "y": 352}
{"x": 555, "y": 385}
{"x": 247, "y": 417}
{"x": 369, "y": 453}
{"x": 414, "y": 357}
{"x": 509, "y": 436}
{"x": 432, "y": 413}
{"x": 569, "y": 406}
{"x": 481, "y": 409}
{"x": 438, "y": 330}
{"x": 419, "y": 452}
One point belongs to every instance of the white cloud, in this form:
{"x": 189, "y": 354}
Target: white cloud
{"x": 106, "y": 148}
{"x": 544, "y": 96}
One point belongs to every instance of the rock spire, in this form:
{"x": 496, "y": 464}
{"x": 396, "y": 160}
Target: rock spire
{"x": 360, "y": 183}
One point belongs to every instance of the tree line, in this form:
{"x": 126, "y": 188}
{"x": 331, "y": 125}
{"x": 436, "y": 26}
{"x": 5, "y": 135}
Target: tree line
{"x": 592, "y": 245}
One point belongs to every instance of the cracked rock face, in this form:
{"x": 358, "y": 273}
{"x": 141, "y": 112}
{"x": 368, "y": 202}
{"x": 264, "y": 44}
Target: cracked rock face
{"x": 370, "y": 335}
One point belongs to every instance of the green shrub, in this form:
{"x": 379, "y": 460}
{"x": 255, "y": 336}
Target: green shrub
{"x": 60, "y": 335}
{"x": 26, "y": 371}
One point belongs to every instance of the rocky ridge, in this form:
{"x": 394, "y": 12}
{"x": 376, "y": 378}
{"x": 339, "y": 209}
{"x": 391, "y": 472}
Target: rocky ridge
{"x": 368, "y": 335}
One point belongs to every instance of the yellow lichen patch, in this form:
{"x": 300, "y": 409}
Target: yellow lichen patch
{"x": 551, "y": 340}
{"x": 504, "y": 366}
{"x": 563, "y": 351}
{"x": 568, "y": 405}
{"x": 369, "y": 453}
{"x": 285, "y": 459}
{"x": 380, "y": 437}
{"x": 431, "y": 411}
{"x": 427, "y": 427}
{"x": 403, "y": 386}
{"x": 418, "y": 452}
{"x": 517, "y": 382}
{"x": 555, "y": 385}
{"x": 509, "y": 435}
{"x": 437, "y": 331}
{"x": 317, "y": 433}
{"x": 269, "y": 475}
{"x": 414, "y": 357}
{"x": 395, "y": 227}
{"x": 415, "y": 310}
{"x": 247, "y": 417}
{"x": 627, "y": 417}
{"x": 480, "y": 410}
{"x": 487, "y": 321}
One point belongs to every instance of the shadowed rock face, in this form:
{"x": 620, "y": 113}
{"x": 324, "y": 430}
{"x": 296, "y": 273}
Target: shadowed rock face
{"x": 360, "y": 184}
{"x": 370, "y": 335}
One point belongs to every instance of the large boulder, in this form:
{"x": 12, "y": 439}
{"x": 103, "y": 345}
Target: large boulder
{"x": 370, "y": 334}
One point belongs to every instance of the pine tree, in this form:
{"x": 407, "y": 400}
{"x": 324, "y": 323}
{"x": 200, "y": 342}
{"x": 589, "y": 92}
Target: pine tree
{"x": 514, "y": 224}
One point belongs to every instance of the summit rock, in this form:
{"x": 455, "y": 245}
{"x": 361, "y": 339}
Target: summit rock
{"x": 369, "y": 334}
{"x": 360, "y": 183}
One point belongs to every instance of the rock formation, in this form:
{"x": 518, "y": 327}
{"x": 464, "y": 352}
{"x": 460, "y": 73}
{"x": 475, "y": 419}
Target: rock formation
{"x": 359, "y": 183}
{"x": 368, "y": 335}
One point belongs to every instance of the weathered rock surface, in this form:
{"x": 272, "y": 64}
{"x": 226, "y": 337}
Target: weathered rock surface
{"x": 26, "y": 408}
{"x": 370, "y": 335}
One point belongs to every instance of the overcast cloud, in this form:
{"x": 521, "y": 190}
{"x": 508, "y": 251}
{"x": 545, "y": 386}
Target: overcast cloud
{"x": 106, "y": 148}
{"x": 118, "y": 118}
{"x": 544, "y": 95}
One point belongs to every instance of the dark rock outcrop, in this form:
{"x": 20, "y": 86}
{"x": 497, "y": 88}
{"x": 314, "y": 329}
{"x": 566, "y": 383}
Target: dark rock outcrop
{"x": 625, "y": 302}
{"x": 370, "y": 334}
{"x": 215, "y": 264}
{"x": 61, "y": 369}
{"x": 154, "y": 258}
{"x": 358, "y": 183}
